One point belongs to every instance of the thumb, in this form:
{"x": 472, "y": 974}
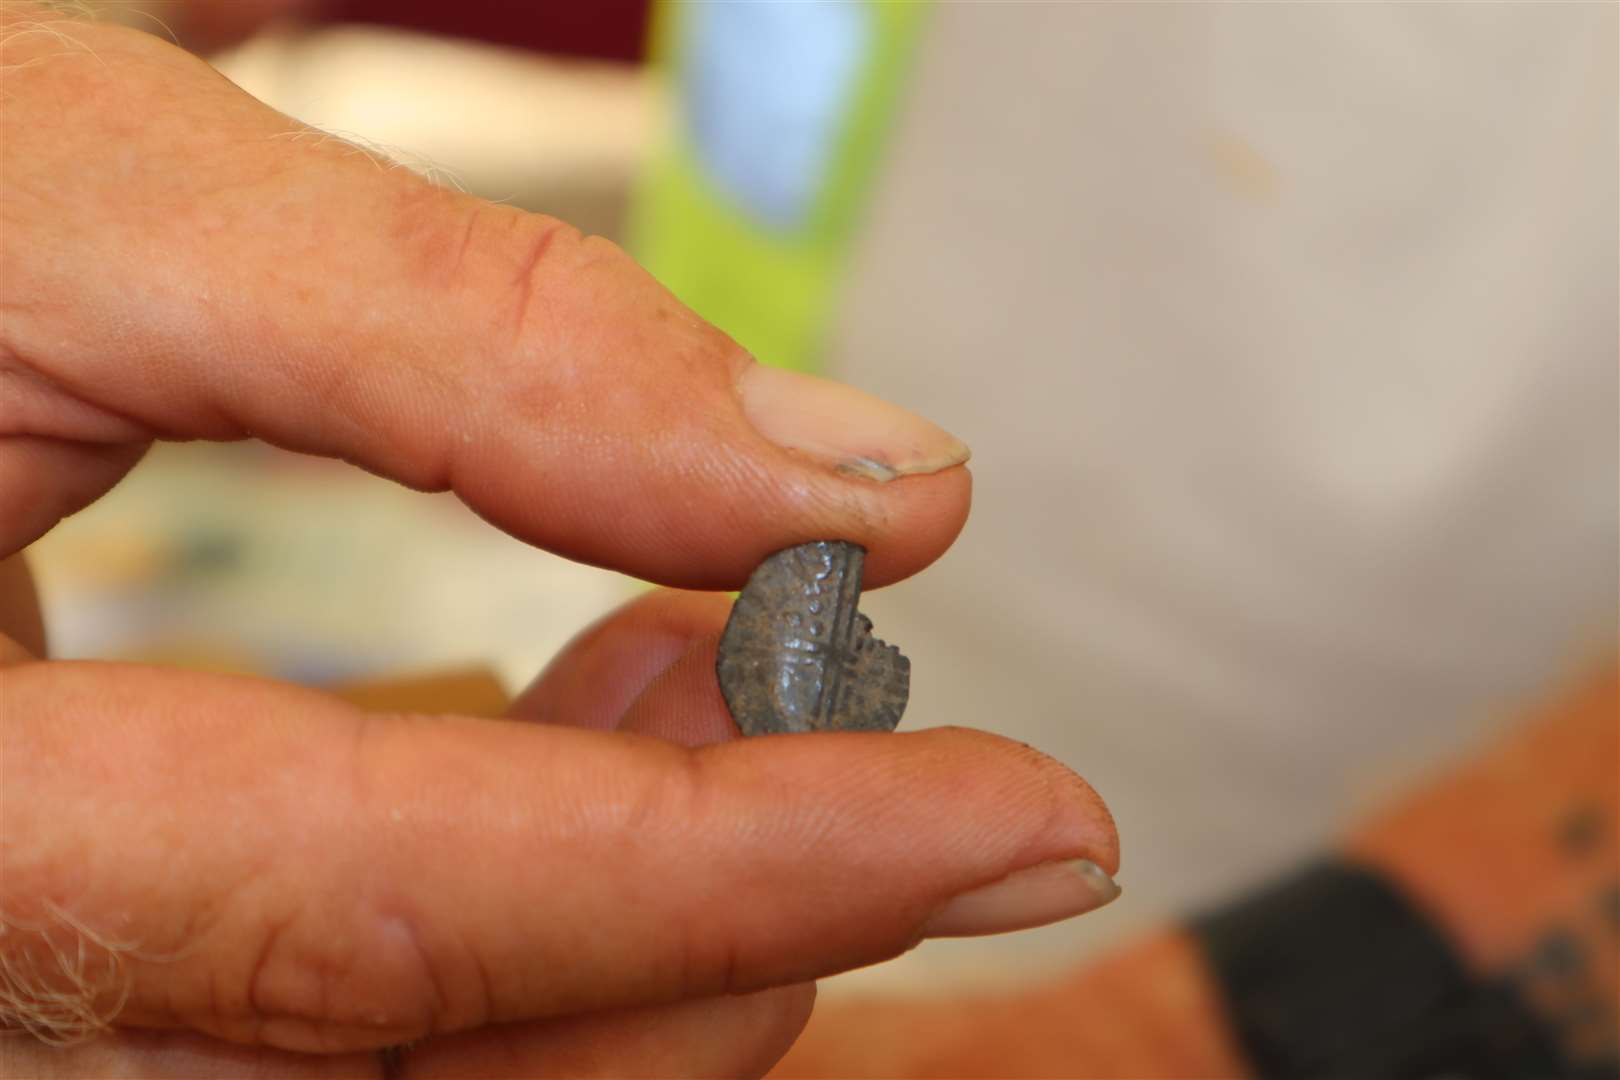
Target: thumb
{"x": 327, "y": 880}
{"x": 183, "y": 262}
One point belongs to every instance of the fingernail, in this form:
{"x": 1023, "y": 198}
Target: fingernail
{"x": 1033, "y": 897}
{"x": 851, "y": 431}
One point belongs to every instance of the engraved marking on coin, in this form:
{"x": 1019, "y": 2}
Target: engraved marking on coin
{"x": 797, "y": 654}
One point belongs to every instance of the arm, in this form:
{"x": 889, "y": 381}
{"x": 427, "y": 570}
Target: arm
{"x": 1511, "y": 858}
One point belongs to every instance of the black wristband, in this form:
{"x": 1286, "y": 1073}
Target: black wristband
{"x": 1333, "y": 975}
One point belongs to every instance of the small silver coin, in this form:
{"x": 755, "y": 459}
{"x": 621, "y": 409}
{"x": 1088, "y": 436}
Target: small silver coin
{"x": 797, "y": 655}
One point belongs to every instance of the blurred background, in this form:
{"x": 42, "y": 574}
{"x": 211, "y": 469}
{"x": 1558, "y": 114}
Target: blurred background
{"x": 1285, "y": 338}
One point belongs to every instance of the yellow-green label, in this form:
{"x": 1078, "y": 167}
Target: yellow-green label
{"x": 780, "y": 110}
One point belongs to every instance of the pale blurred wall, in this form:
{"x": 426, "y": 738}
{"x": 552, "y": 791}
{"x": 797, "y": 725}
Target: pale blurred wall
{"x": 1285, "y": 338}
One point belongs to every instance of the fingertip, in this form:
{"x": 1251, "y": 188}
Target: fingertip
{"x": 785, "y": 1013}
{"x": 608, "y": 665}
{"x": 931, "y": 512}
{"x": 981, "y": 805}
{"x": 1078, "y": 818}
{"x": 20, "y": 619}
{"x": 683, "y": 703}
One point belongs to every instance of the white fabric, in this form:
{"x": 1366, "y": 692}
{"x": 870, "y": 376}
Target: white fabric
{"x": 1285, "y": 337}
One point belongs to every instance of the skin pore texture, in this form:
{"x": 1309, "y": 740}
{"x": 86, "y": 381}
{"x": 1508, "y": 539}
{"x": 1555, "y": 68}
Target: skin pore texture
{"x": 224, "y": 876}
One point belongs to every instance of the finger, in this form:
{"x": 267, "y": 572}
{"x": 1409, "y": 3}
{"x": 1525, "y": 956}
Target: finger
{"x": 648, "y": 647}
{"x": 684, "y": 703}
{"x": 44, "y": 479}
{"x": 20, "y": 620}
{"x": 739, "y": 1035}
{"x": 207, "y": 25}
{"x": 596, "y": 676}
{"x": 150, "y": 1055}
{"x": 267, "y": 864}
{"x": 198, "y": 266}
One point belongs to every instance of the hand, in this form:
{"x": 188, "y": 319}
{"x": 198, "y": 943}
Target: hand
{"x": 238, "y": 875}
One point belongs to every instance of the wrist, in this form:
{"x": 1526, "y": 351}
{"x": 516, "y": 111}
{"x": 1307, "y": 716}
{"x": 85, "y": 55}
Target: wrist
{"x": 1513, "y": 858}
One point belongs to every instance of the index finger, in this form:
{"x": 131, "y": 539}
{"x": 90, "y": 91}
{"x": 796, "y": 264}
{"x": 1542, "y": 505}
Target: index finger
{"x": 182, "y": 262}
